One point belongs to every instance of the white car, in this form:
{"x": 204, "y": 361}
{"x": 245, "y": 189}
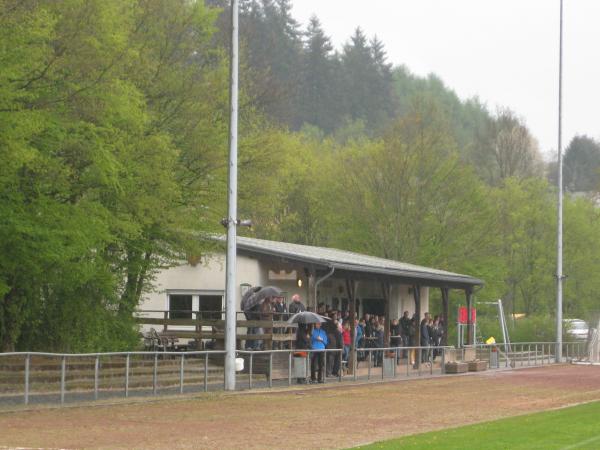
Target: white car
{"x": 577, "y": 328}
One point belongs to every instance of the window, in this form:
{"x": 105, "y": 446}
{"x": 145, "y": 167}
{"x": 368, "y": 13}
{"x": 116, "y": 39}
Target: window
{"x": 180, "y": 306}
{"x": 211, "y": 306}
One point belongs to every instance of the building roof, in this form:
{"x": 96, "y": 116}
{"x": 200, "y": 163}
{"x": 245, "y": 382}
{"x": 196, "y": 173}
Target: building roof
{"x": 342, "y": 260}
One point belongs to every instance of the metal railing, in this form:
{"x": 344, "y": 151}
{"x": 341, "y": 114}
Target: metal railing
{"x": 85, "y": 372}
{"x": 57, "y": 377}
{"x": 527, "y": 354}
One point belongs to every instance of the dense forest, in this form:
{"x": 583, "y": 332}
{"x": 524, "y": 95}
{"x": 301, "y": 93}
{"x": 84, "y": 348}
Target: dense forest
{"x": 113, "y": 156}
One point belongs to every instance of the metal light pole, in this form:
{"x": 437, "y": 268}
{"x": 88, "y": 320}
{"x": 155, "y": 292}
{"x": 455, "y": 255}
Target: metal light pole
{"x": 230, "y": 277}
{"x": 559, "y": 247}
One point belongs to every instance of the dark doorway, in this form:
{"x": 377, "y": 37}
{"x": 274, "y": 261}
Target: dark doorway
{"x": 373, "y": 306}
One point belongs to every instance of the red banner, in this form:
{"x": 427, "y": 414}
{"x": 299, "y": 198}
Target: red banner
{"x": 462, "y": 315}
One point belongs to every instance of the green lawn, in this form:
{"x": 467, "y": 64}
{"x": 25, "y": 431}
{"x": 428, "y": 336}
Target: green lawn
{"x": 577, "y": 427}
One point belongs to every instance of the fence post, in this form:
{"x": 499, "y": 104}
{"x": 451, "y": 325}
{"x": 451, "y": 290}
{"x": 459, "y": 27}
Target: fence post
{"x": 206, "y": 372}
{"x": 522, "y": 358}
{"x": 369, "y": 368}
{"x": 63, "y": 368}
{"x": 290, "y": 368}
{"x": 271, "y": 369}
{"x": 407, "y": 361}
{"x": 355, "y": 364}
{"x": 443, "y": 362}
{"x": 341, "y": 365}
{"x": 324, "y": 366}
{"x": 27, "y": 361}
{"x": 250, "y": 372}
{"x": 543, "y": 353}
{"x": 96, "y": 369}
{"x": 127, "y": 376}
{"x": 431, "y": 361}
{"x": 155, "y": 373}
{"x": 181, "y": 368}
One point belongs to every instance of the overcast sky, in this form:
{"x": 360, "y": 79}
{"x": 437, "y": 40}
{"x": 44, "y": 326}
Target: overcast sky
{"x": 505, "y": 52}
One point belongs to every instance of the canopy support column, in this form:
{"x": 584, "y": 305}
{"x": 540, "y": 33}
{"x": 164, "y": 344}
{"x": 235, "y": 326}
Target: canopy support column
{"x": 386, "y": 289}
{"x": 445, "y": 313}
{"x": 417, "y": 296}
{"x": 469, "y": 295}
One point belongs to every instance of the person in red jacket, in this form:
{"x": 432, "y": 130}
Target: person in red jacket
{"x": 347, "y": 339}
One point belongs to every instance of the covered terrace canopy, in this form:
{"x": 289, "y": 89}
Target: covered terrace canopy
{"x": 323, "y": 262}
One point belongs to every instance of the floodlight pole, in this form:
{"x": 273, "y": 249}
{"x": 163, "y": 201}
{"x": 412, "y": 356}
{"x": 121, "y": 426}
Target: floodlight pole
{"x": 559, "y": 247}
{"x": 230, "y": 291}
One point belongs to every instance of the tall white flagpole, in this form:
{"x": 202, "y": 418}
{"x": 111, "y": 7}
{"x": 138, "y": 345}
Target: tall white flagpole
{"x": 230, "y": 282}
{"x": 559, "y": 247}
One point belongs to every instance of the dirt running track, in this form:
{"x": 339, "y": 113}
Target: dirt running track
{"x": 328, "y": 417}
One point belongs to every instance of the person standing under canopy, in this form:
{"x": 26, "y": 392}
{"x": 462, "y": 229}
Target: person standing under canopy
{"x": 296, "y": 306}
{"x": 318, "y": 342}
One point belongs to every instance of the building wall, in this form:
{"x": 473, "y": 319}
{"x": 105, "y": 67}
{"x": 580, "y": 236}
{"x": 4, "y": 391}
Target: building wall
{"x": 208, "y": 278}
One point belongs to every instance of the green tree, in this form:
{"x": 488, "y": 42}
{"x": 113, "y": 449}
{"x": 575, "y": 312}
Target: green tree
{"x": 581, "y": 165}
{"x": 113, "y": 140}
{"x": 524, "y": 223}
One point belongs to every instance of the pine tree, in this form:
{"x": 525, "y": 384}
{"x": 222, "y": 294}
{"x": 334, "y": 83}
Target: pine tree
{"x": 320, "y": 105}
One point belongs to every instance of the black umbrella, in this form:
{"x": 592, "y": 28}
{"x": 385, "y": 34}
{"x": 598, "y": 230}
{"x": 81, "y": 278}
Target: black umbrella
{"x": 247, "y": 296}
{"x": 307, "y": 317}
{"x": 258, "y": 297}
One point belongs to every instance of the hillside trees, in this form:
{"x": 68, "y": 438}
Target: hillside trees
{"x": 408, "y": 197}
{"x": 321, "y": 103}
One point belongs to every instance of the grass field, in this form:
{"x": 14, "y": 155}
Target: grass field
{"x": 576, "y": 427}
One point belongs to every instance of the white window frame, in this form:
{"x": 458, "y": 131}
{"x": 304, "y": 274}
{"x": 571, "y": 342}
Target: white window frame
{"x": 196, "y": 294}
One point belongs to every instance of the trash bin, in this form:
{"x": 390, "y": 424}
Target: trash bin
{"x": 494, "y": 363}
{"x": 299, "y": 366}
{"x": 388, "y": 365}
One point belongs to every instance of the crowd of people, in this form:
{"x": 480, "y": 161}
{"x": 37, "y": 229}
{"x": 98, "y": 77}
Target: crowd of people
{"x": 335, "y": 333}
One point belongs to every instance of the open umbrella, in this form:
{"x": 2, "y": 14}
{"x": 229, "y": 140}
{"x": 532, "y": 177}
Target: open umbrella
{"x": 258, "y": 297}
{"x": 247, "y": 296}
{"x": 307, "y": 317}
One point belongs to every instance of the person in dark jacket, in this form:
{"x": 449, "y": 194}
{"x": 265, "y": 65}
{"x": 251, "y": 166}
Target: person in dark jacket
{"x": 395, "y": 334}
{"x": 280, "y": 314}
{"x": 334, "y": 340}
{"x": 339, "y": 344}
{"x": 302, "y": 343}
{"x": 425, "y": 337}
{"x": 379, "y": 337}
{"x": 396, "y": 337}
{"x": 296, "y": 306}
{"x": 412, "y": 338}
{"x": 405, "y": 332}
